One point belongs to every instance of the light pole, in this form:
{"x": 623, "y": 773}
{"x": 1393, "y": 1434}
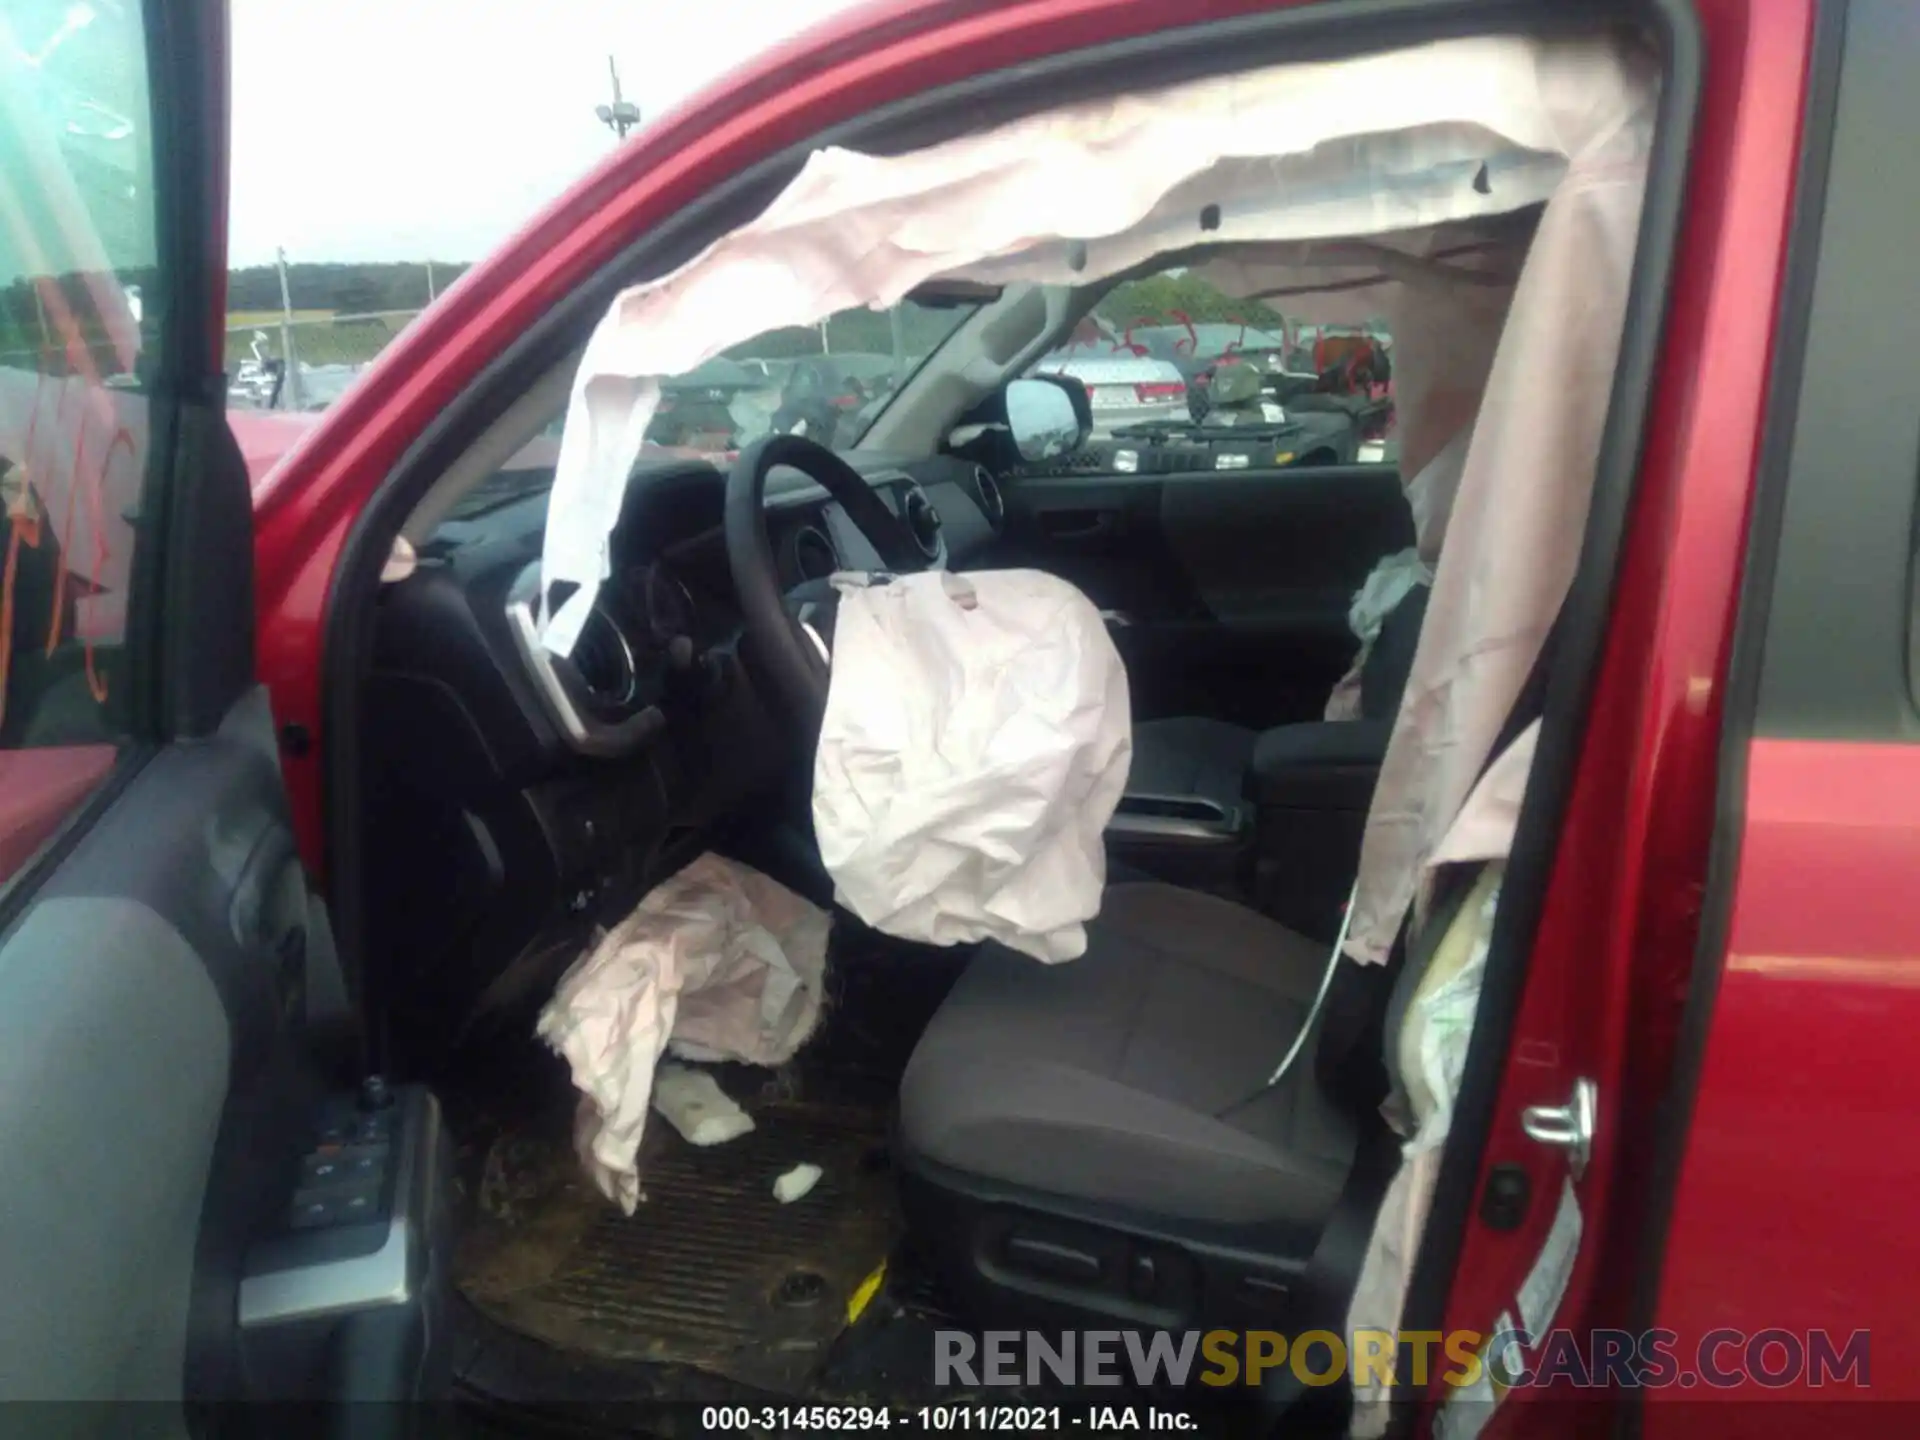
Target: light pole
{"x": 622, "y": 115}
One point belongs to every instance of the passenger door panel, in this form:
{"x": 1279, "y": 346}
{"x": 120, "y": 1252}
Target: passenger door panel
{"x": 1234, "y": 585}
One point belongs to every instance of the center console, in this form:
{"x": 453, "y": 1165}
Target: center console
{"x": 1313, "y": 785}
{"x": 1183, "y": 839}
{"x": 1291, "y": 845}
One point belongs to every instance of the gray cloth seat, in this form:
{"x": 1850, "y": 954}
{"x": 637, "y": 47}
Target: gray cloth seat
{"x": 1134, "y": 1077}
{"x": 1191, "y": 755}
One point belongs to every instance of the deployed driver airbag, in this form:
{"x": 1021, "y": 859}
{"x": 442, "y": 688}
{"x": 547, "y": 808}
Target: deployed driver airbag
{"x": 976, "y": 740}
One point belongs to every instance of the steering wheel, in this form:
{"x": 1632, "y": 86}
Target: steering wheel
{"x": 788, "y": 640}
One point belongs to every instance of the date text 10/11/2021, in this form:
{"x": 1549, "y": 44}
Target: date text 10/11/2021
{"x": 1014, "y": 1419}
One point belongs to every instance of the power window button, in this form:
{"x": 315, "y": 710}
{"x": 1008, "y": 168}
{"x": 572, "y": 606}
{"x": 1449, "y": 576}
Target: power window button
{"x": 311, "y": 1212}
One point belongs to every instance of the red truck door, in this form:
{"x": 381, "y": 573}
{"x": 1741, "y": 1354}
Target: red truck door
{"x": 1541, "y": 1216}
{"x": 1789, "y": 1251}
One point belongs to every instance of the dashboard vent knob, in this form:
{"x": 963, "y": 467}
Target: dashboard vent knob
{"x": 604, "y": 661}
{"x": 814, "y": 557}
{"x": 924, "y": 521}
{"x": 991, "y": 504}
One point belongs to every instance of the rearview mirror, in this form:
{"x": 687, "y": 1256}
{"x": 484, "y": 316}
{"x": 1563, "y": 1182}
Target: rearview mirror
{"x": 1042, "y": 421}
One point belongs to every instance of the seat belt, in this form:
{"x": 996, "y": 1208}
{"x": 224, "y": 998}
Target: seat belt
{"x": 1527, "y": 707}
{"x": 1320, "y": 996}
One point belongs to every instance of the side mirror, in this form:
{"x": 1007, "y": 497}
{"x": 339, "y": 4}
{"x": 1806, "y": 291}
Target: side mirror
{"x": 1043, "y": 420}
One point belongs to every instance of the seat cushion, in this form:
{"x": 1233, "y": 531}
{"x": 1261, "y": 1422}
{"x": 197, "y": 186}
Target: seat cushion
{"x": 1191, "y": 755}
{"x": 1136, "y": 1075}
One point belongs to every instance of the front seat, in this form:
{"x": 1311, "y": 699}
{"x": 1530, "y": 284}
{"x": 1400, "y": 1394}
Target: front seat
{"x": 1098, "y": 1140}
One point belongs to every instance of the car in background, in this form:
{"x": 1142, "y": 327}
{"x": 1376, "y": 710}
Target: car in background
{"x": 1123, "y": 389}
{"x": 1198, "y": 349}
{"x": 697, "y": 410}
{"x": 825, "y": 393}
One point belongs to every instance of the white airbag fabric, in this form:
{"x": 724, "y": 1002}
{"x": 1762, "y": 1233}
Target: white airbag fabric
{"x": 1433, "y": 1045}
{"x": 1391, "y": 581}
{"x": 1518, "y": 519}
{"x": 1448, "y": 132}
{"x": 693, "y": 1103}
{"x": 718, "y": 963}
{"x": 976, "y": 741}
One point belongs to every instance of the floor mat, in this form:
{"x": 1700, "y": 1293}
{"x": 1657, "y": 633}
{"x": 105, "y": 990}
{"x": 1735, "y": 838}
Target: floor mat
{"x": 712, "y": 1271}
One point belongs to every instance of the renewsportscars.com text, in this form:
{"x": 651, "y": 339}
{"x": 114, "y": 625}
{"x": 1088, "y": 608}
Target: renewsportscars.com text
{"x": 1513, "y": 1359}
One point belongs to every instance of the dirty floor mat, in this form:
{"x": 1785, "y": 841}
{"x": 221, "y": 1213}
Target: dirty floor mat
{"x": 712, "y": 1271}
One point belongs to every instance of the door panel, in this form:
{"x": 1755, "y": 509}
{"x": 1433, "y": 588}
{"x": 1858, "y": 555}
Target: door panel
{"x": 162, "y": 1101}
{"x": 1235, "y": 586}
{"x": 151, "y": 1002}
{"x": 114, "y": 1051}
{"x": 1807, "y": 948}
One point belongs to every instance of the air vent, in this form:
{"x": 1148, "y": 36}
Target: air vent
{"x": 814, "y": 557}
{"x": 991, "y": 505}
{"x": 924, "y": 521}
{"x": 604, "y": 661}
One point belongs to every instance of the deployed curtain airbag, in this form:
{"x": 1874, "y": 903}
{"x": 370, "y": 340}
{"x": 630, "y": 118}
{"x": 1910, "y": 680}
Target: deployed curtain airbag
{"x": 1447, "y": 131}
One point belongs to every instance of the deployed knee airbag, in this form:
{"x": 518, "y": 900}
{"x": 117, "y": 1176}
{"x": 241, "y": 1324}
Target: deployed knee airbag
{"x": 717, "y": 963}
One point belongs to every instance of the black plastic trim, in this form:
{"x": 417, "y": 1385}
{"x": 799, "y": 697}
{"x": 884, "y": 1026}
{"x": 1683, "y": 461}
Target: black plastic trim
{"x": 1744, "y": 668}
{"x": 190, "y": 630}
{"x": 1582, "y": 628}
{"x": 187, "y": 84}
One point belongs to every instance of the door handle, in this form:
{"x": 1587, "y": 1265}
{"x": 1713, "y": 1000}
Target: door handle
{"x": 1568, "y": 1127}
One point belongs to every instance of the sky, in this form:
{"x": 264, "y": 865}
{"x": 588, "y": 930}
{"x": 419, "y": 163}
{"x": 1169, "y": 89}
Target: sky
{"x": 432, "y": 129}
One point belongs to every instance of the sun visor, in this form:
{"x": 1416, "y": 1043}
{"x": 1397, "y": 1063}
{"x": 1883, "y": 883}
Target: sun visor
{"x": 1447, "y": 132}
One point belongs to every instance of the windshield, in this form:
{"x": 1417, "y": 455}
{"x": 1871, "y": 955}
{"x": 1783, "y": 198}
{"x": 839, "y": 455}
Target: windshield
{"x": 828, "y": 382}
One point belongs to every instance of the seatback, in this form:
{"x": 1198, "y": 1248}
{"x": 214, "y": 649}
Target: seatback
{"x": 1360, "y": 1021}
{"x": 1383, "y": 677}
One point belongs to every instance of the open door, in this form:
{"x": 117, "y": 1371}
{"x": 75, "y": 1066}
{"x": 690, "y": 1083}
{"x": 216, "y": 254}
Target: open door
{"x": 192, "y": 1214}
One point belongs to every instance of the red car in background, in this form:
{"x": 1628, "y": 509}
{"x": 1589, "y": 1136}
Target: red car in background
{"x": 1711, "y": 949}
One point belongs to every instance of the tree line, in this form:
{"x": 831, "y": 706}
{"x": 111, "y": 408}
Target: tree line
{"x": 27, "y": 319}
{"x": 344, "y": 288}
{"x": 356, "y": 288}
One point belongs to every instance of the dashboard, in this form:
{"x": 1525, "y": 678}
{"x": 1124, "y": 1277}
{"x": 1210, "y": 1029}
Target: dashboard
{"x": 524, "y": 796}
{"x": 667, "y": 611}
